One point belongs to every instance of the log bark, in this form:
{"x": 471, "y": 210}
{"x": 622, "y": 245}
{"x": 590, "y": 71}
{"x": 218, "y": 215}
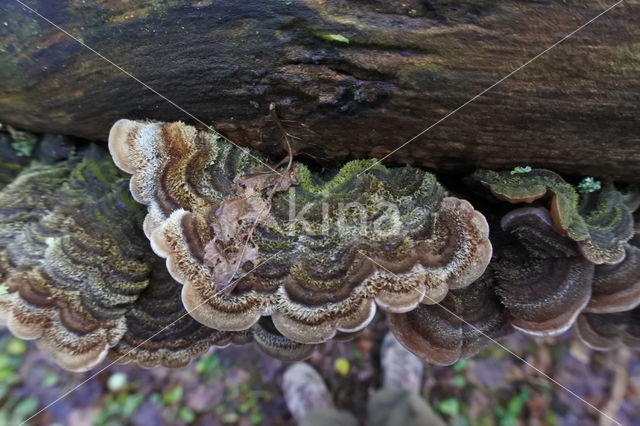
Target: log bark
{"x": 352, "y": 79}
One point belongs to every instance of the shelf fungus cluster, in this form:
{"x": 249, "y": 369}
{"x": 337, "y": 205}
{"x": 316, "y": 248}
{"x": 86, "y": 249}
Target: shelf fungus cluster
{"x": 79, "y": 277}
{"x": 204, "y": 244}
{"x": 317, "y": 254}
{"x": 568, "y": 259}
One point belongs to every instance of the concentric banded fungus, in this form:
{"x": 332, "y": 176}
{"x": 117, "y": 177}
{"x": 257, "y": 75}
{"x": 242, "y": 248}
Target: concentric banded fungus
{"x": 273, "y": 343}
{"x": 609, "y": 331}
{"x": 458, "y": 327}
{"x": 601, "y": 222}
{"x": 326, "y": 250}
{"x": 83, "y": 281}
{"x": 542, "y": 280}
{"x": 160, "y": 331}
{"x": 616, "y": 288}
{"x": 70, "y": 280}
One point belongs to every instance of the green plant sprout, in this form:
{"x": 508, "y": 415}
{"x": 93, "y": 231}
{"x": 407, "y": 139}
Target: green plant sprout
{"x": 521, "y": 170}
{"x": 589, "y": 184}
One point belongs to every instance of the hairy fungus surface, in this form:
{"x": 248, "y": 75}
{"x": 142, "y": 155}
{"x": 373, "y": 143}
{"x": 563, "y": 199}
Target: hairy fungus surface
{"x": 82, "y": 280}
{"x": 458, "y": 327}
{"x": 161, "y": 332}
{"x": 328, "y": 249}
{"x": 544, "y": 280}
{"x": 289, "y": 258}
{"x": 70, "y": 280}
{"x": 541, "y": 279}
{"x": 601, "y": 221}
{"x": 616, "y": 288}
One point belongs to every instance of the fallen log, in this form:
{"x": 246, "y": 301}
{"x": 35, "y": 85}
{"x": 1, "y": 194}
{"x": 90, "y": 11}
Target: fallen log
{"x": 351, "y": 79}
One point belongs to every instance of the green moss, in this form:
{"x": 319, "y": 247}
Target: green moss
{"x": 520, "y": 170}
{"x": 520, "y": 186}
{"x": 359, "y": 190}
{"x": 347, "y": 173}
{"x": 414, "y": 74}
{"x": 626, "y": 59}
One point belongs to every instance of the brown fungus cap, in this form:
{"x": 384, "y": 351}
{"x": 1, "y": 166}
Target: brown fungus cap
{"x": 69, "y": 279}
{"x": 366, "y": 237}
{"x": 458, "y": 327}
{"x": 82, "y": 281}
{"x": 160, "y": 332}
{"x": 545, "y": 282}
{"x": 616, "y": 288}
{"x": 610, "y": 331}
{"x": 541, "y": 279}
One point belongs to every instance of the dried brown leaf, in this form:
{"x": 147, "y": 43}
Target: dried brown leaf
{"x": 236, "y": 219}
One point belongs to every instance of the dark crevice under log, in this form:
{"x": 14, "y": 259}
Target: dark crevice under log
{"x": 406, "y": 65}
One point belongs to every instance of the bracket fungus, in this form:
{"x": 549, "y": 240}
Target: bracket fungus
{"x": 82, "y": 280}
{"x": 464, "y": 322}
{"x": 329, "y": 249}
{"x": 601, "y": 222}
{"x": 609, "y": 331}
{"x": 616, "y": 288}
{"x": 233, "y": 251}
{"x": 69, "y": 278}
{"x": 612, "y": 317}
{"x": 541, "y": 278}
{"x": 161, "y": 332}
{"x": 544, "y": 281}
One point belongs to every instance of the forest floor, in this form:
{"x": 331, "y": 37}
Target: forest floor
{"x": 239, "y": 385}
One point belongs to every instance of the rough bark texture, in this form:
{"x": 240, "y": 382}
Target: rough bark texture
{"x": 406, "y": 64}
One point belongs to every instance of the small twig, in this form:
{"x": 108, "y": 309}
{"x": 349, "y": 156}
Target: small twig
{"x": 274, "y": 187}
{"x": 286, "y": 136}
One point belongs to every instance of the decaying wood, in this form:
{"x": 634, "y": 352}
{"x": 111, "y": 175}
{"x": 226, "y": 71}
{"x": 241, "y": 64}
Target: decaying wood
{"x": 350, "y": 78}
